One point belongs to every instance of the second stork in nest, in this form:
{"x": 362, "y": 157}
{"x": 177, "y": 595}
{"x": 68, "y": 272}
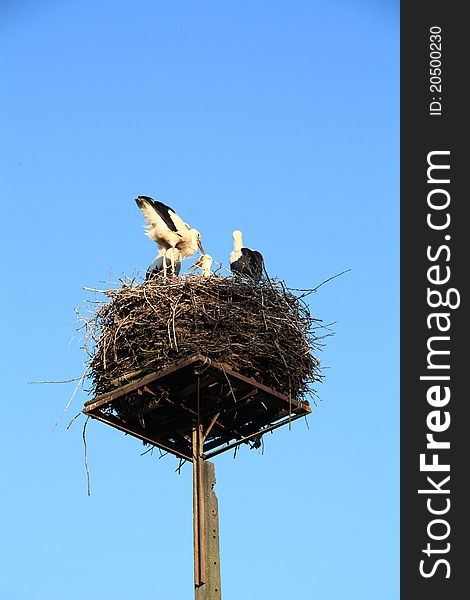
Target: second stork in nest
{"x": 245, "y": 261}
{"x": 204, "y": 263}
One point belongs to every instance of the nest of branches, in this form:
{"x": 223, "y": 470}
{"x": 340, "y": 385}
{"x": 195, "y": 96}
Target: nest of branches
{"x": 261, "y": 330}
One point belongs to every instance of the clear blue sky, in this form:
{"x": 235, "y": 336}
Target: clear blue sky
{"x": 279, "y": 118}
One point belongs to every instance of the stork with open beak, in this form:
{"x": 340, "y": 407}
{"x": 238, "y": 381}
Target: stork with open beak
{"x": 168, "y": 230}
{"x": 204, "y": 263}
{"x": 245, "y": 261}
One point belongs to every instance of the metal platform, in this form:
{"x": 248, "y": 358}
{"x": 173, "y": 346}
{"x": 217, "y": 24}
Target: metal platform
{"x": 165, "y": 408}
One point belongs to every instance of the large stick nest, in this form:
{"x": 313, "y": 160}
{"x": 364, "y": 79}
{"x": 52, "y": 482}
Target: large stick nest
{"x": 262, "y": 330}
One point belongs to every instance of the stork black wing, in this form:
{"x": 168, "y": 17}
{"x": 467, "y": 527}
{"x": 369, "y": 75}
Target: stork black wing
{"x": 250, "y": 264}
{"x": 162, "y": 209}
{"x": 255, "y": 263}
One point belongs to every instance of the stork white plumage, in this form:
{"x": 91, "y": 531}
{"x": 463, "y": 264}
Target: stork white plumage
{"x": 245, "y": 261}
{"x": 168, "y": 230}
{"x": 204, "y": 263}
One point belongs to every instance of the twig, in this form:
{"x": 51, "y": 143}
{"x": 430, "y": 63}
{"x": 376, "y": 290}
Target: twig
{"x": 85, "y": 456}
{"x": 88, "y": 289}
{"x": 75, "y": 417}
{"x": 71, "y": 398}
{"x": 181, "y": 463}
{"x": 63, "y": 381}
{"x": 308, "y": 292}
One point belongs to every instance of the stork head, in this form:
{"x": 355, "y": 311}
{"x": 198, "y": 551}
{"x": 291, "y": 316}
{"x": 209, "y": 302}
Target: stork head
{"x": 206, "y": 260}
{"x": 196, "y": 238}
{"x": 204, "y": 263}
{"x": 237, "y": 238}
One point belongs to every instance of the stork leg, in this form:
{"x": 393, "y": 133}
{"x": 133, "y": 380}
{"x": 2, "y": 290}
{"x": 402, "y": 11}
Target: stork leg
{"x": 164, "y": 266}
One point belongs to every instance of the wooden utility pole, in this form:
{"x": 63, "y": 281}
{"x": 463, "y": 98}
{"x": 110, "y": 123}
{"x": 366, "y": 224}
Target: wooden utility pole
{"x": 207, "y": 583}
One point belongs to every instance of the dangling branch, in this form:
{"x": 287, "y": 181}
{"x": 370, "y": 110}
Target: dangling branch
{"x": 85, "y": 456}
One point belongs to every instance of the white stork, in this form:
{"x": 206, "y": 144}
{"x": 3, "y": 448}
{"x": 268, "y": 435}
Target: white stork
{"x": 168, "y": 229}
{"x": 245, "y": 261}
{"x": 204, "y": 263}
{"x": 162, "y": 263}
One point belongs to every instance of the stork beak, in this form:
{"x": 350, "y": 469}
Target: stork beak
{"x": 200, "y": 246}
{"x": 195, "y": 265}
